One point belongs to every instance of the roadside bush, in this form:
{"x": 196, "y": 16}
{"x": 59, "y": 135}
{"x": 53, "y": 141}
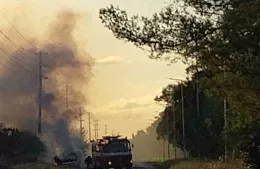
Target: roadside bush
{"x": 208, "y": 165}
{"x": 37, "y": 166}
{"x": 4, "y": 166}
{"x": 201, "y": 164}
{"x": 19, "y": 147}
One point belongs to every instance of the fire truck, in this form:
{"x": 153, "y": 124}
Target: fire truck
{"x": 112, "y": 152}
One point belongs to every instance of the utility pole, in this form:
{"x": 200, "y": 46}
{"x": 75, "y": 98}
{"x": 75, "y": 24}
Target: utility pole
{"x": 169, "y": 153}
{"x": 163, "y": 148}
{"x": 159, "y": 150}
{"x": 174, "y": 130}
{"x": 67, "y": 93}
{"x": 225, "y": 118}
{"x": 96, "y": 129}
{"x": 40, "y": 96}
{"x": 198, "y": 104}
{"x": 225, "y": 127}
{"x": 168, "y": 135}
{"x": 89, "y": 126}
{"x": 81, "y": 123}
{"x": 183, "y": 122}
{"x": 105, "y": 130}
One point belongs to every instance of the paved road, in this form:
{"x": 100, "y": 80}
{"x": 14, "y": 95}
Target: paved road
{"x": 143, "y": 165}
{"x": 140, "y": 165}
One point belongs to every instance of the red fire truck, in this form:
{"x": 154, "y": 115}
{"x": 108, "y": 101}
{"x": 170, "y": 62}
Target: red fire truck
{"x": 112, "y": 152}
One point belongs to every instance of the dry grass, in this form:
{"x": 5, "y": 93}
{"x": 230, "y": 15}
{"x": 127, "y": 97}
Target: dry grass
{"x": 207, "y": 165}
{"x": 36, "y": 166}
{"x": 4, "y": 166}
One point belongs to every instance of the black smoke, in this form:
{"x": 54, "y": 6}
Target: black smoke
{"x": 62, "y": 64}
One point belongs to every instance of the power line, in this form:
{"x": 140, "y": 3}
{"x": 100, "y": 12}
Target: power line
{"x": 9, "y": 56}
{"x": 174, "y": 108}
{"x": 182, "y": 105}
{"x": 14, "y": 27}
{"x": 14, "y": 81}
{"x": 3, "y": 65}
{"x": 18, "y": 30}
{"x": 16, "y": 45}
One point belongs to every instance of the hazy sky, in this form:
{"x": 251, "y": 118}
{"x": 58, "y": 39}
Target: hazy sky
{"x": 125, "y": 80}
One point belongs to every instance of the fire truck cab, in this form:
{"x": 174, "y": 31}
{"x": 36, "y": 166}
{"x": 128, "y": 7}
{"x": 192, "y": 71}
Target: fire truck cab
{"x": 112, "y": 152}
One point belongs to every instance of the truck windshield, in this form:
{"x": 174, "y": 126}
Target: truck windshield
{"x": 117, "y": 146}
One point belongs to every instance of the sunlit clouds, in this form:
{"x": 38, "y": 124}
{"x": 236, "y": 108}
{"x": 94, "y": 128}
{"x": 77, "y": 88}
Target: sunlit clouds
{"x": 111, "y": 60}
{"x": 125, "y": 81}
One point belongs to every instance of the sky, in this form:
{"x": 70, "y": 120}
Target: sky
{"x": 125, "y": 81}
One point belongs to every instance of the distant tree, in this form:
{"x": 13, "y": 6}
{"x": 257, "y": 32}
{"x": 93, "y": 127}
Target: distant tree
{"x": 146, "y": 145}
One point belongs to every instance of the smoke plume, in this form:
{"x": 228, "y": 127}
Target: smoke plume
{"x": 62, "y": 64}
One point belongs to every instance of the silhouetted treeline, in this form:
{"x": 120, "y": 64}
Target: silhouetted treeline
{"x": 19, "y": 146}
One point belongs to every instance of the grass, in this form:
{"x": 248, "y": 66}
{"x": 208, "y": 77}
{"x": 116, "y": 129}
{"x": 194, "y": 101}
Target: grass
{"x": 4, "y": 166}
{"x": 199, "y": 164}
{"x": 36, "y": 166}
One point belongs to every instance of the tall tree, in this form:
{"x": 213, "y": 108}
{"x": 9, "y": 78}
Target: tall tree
{"x": 209, "y": 31}
{"x": 221, "y": 35}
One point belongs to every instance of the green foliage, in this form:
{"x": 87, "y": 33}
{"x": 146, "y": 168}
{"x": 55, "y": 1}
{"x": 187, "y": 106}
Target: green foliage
{"x": 220, "y": 35}
{"x": 20, "y": 147}
{"x": 212, "y": 31}
{"x": 203, "y": 132}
